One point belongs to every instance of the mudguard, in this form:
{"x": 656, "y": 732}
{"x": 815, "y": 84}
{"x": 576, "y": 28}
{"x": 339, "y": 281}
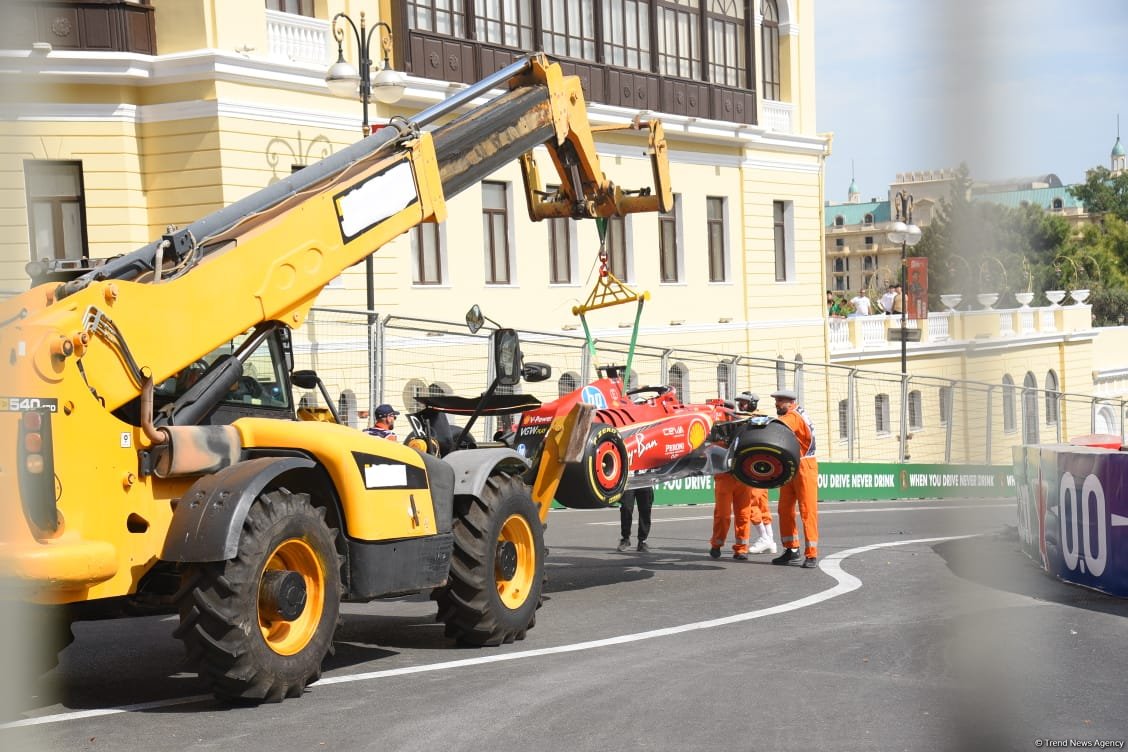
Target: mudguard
{"x": 473, "y": 466}
{"x": 206, "y": 523}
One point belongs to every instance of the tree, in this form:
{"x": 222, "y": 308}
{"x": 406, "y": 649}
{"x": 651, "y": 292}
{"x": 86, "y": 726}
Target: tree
{"x": 1103, "y": 193}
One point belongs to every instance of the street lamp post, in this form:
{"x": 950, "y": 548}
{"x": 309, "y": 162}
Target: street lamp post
{"x": 907, "y": 234}
{"x": 345, "y": 81}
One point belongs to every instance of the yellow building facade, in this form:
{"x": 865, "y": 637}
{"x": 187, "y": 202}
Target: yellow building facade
{"x": 102, "y": 149}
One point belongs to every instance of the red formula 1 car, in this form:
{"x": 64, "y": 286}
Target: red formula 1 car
{"x": 642, "y": 437}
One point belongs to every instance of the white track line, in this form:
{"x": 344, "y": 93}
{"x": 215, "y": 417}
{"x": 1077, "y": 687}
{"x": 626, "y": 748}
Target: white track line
{"x": 655, "y": 520}
{"x": 832, "y": 565}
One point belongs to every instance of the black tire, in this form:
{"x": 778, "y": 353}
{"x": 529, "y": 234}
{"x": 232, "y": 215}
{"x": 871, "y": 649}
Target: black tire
{"x": 599, "y": 479}
{"x": 241, "y": 646}
{"x": 765, "y": 456}
{"x": 483, "y": 603}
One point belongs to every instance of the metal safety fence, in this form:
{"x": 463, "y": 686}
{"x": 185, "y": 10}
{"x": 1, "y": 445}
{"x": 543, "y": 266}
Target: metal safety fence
{"x": 861, "y": 415}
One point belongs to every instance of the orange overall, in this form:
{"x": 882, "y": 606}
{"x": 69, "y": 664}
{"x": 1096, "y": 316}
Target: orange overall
{"x": 731, "y": 499}
{"x": 802, "y": 490}
{"x": 760, "y": 512}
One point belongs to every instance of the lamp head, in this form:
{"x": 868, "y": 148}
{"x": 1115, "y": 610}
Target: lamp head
{"x": 897, "y": 234}
{"x": 341, "y": 78}
{"x": 388, "y": 85}
{"x": 912, "y": 235}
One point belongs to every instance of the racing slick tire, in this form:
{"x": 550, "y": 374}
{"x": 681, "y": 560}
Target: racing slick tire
{"x": 765, "y": 456}
{"x": 600, "y": 477}
{"x": 497, "y": 570}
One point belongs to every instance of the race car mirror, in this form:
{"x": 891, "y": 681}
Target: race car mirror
{"x": 533, "y": 372}
{"x": 507, "y": 357}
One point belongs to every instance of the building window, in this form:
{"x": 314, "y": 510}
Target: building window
{"x": 843, "y": 419}
{"x": 716, "y": 227}
{"x": 1029, "y": 409}
{"x": 438, "y": 16}
{"x": 509, "y": 23}
{"x": 669, "y": 253}
{"x": 769, "y": 48}
{"x": 868, "y": 263}
{"x": 944, "y": 397}
{"x": 495, "y": 225}
{"x": 841, "y": 265}
{"x": 426, "y": 254}
{"x": 1008, "y": 404}
{"x": 560, "y": 255}
{"x": 1052, "y": 396}
{"x": 568, "y": 383}
{"x": 881, "y": 413}
{"x": 56, "y": 208}
{"x": 569, "y": 28}
{"x": 1057, "y": 204}
{"x": 869, "y": 240}
{"x": 616, "y": 248}
{"x": 840, "y": 242}
{"x": 916, "y": 410}
{"x": 626, "y": 33}
{"x": 679, "y": 49}
{"x": 868, "y": 220}
{"x": 784, "y": 253}
{"x": 724, "y": 24}
{"x": 679, "y": 381}
{"x": 297, "y": 7}
{"x": 839, "y": 221}
{"x": 724, "y": 377}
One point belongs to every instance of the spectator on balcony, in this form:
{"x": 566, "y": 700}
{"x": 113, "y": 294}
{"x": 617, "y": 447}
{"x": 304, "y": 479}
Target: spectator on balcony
{"x": 887, "y": 299}
{"x": 838, "y": 308}
{"x": 862, "y": 304}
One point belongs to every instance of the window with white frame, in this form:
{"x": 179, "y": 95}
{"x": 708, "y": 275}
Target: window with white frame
{"x": 56, "y": 208}
{"x": 944, "y": 398}
{"x": 769, "y": 49}
{"x": 843, "y": 419}
{"x": 782, "y": 236}
{"x": 669, "y": 250}
{"x": 1052, "y": 397}
{"x": 1009, "y": 425}
{"x": 615, "y": 244}
{"x": 881, "y": 414}
{"x": 427, "y": 254}
{"x": 509, "y": 23}
{"x": 679, "y": 380}
{"x": 561, "y": 242}
{"x": 495, "y": 227}
{"x": 916, "y": 410}
{"x": 679, "y": 38}
{"x": 568, "y": 383}
{"x": 717, "y": 232}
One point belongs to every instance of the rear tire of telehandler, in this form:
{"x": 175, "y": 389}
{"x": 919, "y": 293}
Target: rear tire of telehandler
{"x": 497, "y": 569}
{"x": 242, "y": 647}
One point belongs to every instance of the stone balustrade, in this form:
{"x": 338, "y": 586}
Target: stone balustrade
{"x": 869, "y": 333}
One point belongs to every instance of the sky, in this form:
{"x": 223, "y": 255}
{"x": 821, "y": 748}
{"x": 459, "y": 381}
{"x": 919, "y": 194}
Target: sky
{"x": 1011, "y": 87}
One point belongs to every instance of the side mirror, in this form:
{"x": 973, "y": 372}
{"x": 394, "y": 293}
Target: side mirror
{"x": 507, "y": 357}
{"x": 474, "y": 319}
{"x": 533, "y": 372}
{"x": 304, "y": 379}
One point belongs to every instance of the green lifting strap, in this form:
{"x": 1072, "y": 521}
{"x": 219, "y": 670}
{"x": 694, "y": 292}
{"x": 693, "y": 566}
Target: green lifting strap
{"x": 634, "y": 337}
{"x": 601, "y": 227}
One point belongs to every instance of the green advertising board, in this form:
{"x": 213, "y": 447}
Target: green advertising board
{"x": 872, "y": 481}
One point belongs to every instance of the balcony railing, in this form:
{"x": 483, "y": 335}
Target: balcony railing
{"x": 299, "y": 39}
{"x": 778, "y": 116}
{"x": 870, "y": 333}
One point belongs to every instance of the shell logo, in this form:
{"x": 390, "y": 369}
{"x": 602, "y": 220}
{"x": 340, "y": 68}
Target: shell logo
{"x": 697, "y": 433}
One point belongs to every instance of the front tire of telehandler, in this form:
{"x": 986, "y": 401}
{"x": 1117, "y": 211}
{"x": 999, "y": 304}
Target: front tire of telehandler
{"x": 245, "y": 622}
{"x": 497, "y": 570}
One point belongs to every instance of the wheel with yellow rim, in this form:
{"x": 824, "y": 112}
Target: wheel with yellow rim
{"x": 258, "y": 626}
{"x": 497, "y": 569}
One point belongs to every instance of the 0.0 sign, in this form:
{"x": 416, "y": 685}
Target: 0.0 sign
{"x": 1084, "y": 524}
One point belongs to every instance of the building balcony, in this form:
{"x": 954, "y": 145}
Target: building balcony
{"x": 299, "y": 39}
{"x": 869, "y": 335}
{"x": 778, "y": 116}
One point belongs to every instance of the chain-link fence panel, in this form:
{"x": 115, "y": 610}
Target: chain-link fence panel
{"x": 859, "y": 415}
